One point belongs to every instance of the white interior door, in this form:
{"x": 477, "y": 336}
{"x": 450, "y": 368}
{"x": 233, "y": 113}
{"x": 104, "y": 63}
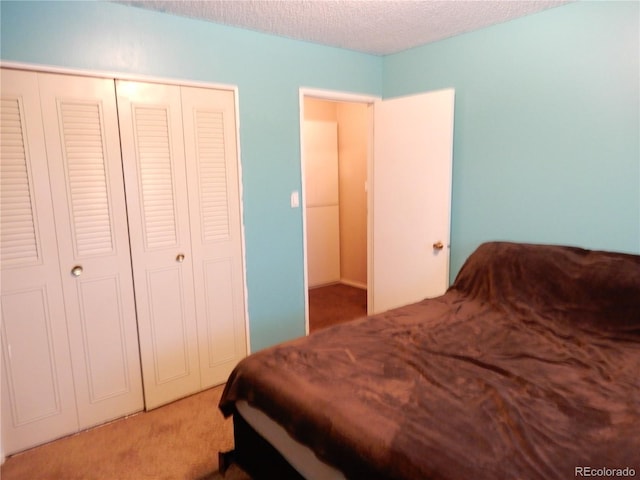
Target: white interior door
{"x": 411, "y": 198}
{"x": 38, "y": 401}
{"x": 216, "y": 244}
{"x": 81, "y": 129}
{"x": 322, "y": 202}
{"x": 155, "y": 181}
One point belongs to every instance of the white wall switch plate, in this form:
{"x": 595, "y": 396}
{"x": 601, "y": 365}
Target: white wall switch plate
{"x": 295, "y": 199}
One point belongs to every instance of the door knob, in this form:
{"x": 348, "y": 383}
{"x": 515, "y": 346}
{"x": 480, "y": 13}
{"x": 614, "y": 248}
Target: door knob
{"x": 76, "y": 271}
{"x": 180, "y": 258}
{"x": 438, "y": 246}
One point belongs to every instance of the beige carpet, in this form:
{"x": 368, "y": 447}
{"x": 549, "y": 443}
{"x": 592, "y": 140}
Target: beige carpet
{"x": 178, "y": 441}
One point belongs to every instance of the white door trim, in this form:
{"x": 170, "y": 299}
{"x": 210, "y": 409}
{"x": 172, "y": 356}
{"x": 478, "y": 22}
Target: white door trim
{"x": 166, "y": 81}
{"x": 115, "y": 75}
{"x": 335, "y": 96}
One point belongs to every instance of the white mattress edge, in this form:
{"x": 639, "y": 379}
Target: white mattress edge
{"x": 299, "y": 456}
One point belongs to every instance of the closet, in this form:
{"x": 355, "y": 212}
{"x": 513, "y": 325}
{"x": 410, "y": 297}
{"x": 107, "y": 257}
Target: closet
{"x": 179, "y": 152}
{"x": 121, "y": 253}
{"x": 335, "y": 143}
{"x": 322, "y": 202}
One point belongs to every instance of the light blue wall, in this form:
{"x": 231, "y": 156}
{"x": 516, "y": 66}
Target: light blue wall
{"x": 546, "y": 143}
{"x": 268, "y": 71}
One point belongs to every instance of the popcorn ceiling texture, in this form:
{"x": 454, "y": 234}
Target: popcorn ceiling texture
{"x": 378, "y": 27}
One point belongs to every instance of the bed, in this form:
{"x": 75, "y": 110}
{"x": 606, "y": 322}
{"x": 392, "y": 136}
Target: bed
{"x": 528, "y": 367}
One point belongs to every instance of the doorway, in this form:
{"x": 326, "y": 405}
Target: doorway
{"x": 408, "y": 253}
{"x": 335, "y": 155}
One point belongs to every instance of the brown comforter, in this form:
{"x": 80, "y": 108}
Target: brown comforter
{"x": 528, "y": 368}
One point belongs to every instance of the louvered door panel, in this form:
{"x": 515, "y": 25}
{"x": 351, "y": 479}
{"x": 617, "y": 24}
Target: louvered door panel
{"x": 17, "y": 230}
{"x": 212, "y": 171}
{"x": 156, "y": 177}
{"x": 38, "y": 402}
{"x": 81, "y": 127}
{"x": 82, "y": 134}
{"x": 153, "y": 156}
{"x": 214, "y": 205}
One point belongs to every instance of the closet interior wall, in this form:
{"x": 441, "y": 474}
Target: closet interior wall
{"x": 348, "y": 176}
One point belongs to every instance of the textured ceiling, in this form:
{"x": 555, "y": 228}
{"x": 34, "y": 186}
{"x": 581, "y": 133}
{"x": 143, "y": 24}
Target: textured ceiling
{"x": 378, "y": 27}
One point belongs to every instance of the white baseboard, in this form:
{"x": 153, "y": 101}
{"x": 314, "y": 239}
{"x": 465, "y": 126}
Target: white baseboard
{"x": 351, "y": 283}
{"x": 362, "y": 286}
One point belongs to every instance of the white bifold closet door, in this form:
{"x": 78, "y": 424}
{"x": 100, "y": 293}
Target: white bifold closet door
{"x": 83, "y": 146}
{"x": 69, "y": 340}
{"x": 180, "y": 159}
{"x": 209, "y": 124}
{"x": 38, "y": 399}
{"x": 156, "y": 185}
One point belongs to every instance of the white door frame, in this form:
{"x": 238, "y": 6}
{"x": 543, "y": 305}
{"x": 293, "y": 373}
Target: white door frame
{"x": 335, "y": 96}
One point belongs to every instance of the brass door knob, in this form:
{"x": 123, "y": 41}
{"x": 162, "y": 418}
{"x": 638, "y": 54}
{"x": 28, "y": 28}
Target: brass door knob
{"x": 180, "y": 258}
{"x": 438, "y": 246}
{"x": 76, "y": 271}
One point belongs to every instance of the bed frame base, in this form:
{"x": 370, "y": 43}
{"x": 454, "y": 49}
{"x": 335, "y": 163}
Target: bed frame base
{"x": 225, "y": 460}
{"x": 255, "y": 455}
